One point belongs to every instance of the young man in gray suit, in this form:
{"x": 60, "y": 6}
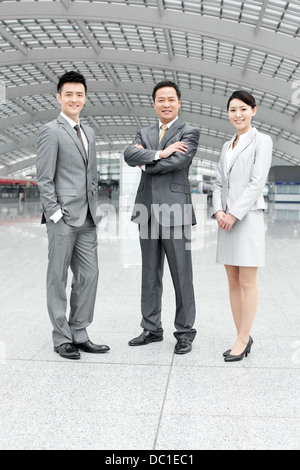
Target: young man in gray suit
{"x": 164, "y": 212}
{"x": 67, "y": 179}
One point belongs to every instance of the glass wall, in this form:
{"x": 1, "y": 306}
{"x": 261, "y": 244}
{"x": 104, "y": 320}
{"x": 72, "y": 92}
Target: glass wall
{"x": 284, "y": 192}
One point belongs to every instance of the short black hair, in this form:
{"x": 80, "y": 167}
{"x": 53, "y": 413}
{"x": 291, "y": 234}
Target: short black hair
{"x": 243, "y": 96}
{"x": 71, "y": 77}
{"x": 164, "y": 84}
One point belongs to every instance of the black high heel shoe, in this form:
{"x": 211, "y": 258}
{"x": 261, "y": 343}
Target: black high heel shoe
{"x": 226, "y": 353}
{"x": 240, "y": 357}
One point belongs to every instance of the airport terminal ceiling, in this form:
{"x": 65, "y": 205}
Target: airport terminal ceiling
{"x": 123, "y": 47}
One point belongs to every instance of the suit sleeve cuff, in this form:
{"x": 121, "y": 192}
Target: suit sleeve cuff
{"x": 157, "y": 157}
{"x": 56, "y": 216}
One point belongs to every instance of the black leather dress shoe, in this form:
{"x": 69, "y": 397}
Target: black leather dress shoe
{"x": 145, "y": 338}
{"x": 183, "y": 346}
{"x": 92, "y": 348}
{"x": 68, "y": 351}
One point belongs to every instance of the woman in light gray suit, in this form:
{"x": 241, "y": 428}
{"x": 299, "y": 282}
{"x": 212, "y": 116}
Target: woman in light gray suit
{"x": 238, "y": 206}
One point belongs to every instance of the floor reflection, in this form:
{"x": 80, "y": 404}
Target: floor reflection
{"x": 283, "y": 220}
{"x": 19, "y": 212}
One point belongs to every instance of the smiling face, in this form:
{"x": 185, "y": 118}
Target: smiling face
{"x": 72, "y": 98}
{"x": 166, "y": 104}
{"x": 240, "y": 115}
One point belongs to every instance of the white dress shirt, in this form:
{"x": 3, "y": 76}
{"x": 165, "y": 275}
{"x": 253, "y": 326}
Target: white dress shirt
{"x": 58, "y": 214}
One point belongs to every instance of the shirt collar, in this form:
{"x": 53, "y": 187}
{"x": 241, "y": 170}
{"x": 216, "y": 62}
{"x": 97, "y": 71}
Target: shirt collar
{"x": 242, "y": 136}
{"x": 169, "y": 124}
{"x": 70, "y": 121}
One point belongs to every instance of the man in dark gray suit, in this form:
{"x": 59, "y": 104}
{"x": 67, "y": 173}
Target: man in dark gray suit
{"x": 163, "y": 209}
{"x": 67, "y": 179}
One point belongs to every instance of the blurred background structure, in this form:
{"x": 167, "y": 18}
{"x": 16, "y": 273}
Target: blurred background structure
{"x": 123, "y": 47}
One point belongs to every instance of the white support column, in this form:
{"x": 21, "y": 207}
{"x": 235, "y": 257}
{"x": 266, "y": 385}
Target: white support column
{"x": 128, "y": 231}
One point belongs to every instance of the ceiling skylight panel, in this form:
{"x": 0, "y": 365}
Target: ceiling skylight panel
{"x": 192, "y": 6}
{"x": 5, "y": 46}
{"x": 173, "y": 4}
{"x": 9, "y": 108}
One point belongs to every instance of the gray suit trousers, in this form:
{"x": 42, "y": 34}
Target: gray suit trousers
{"x": 74, "y": 247}
{"x": 156, "y": 243}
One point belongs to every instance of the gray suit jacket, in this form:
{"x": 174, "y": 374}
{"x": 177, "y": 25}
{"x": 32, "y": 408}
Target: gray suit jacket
{"x": 164, "y": 187}
{"x": 239, "y": 188}
{"x": 64, "y": 178}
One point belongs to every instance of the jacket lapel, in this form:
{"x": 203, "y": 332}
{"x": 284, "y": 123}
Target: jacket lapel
{"x": 153, "y": 136}
{"x": 72, "y": 134}
{"x": 241, "y": 148}
{"x": 225, "y": 149}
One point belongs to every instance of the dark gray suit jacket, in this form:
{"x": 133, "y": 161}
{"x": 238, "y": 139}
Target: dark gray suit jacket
{"x": 64, "y": 178}
{"x": 164, "y": 187}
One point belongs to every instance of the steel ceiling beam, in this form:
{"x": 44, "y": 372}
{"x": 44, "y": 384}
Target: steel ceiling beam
{"x": 236, "y": 33}
{"x": 253, "y": 38}
{"x": 10, "y": 38}
{"x": 233, "y": 75}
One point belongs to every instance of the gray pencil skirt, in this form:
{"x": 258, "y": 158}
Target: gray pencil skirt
{"x": 244, "y": 245}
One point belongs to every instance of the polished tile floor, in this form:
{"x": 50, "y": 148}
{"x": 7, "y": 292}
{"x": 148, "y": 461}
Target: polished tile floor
{"x": 148, "y": 398}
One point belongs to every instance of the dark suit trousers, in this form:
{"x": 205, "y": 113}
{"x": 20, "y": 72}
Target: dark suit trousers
{"x": 156, "y": 243}
{"x": 74, "y": 247}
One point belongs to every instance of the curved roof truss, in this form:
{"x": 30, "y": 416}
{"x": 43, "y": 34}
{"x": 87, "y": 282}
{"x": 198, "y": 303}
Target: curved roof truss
{"x": 124, "y": 47}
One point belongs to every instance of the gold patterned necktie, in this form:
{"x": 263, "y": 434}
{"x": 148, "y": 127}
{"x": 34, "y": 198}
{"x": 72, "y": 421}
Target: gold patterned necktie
{"x": 164, "y": 130}
{"x": 77, "y": 129}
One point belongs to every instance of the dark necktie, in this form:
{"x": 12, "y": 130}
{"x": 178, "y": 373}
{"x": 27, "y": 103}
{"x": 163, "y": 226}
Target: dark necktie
{"x": 77, "y": 129}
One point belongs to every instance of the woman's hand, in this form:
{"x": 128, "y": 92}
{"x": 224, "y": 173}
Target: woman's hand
{"x": 225, "y": 221}
{"x": 219, "y": 215}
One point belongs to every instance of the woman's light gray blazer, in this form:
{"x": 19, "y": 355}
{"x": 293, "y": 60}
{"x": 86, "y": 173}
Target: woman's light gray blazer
{"x": 239, "y": 188}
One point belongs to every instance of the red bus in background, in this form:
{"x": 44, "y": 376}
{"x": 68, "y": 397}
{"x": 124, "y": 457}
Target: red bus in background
{"x": 17, "y": 182}
{"x": 12, "y": 189}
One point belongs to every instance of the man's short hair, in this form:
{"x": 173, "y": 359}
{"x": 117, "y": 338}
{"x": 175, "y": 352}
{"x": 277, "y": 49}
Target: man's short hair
{"x": 164, "y": 84}
{"x": 71, "y": 77}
